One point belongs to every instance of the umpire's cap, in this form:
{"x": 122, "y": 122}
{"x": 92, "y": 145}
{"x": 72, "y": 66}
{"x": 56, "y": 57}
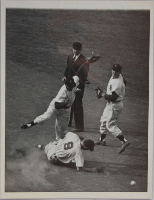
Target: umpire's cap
{"x": 77, "y": 46}
{"x": 117, "y": 68}
{"x": 89, "y": 144}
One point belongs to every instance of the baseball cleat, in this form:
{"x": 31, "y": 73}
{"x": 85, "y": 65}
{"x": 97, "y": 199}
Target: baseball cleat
{"x": 40, "y": 146}
{"x": 25, "y": 126}
{"x": 28, "y": 125}
{"x": 123, "y": 147}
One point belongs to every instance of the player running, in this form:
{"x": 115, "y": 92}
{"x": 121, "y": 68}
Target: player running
{"x": 114, "y": 96}
{"x": 60, "y": 106}
{"x": 67, "y": 150}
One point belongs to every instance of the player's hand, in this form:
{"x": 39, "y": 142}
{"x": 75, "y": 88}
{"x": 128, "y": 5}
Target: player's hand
{"x": 64, "y": 79}
{"x": 99, "y": 93}
{"x": 77, "y": 90}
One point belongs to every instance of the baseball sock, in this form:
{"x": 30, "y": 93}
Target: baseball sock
{"x": 28, "y": 125}
{"x": 31, "y": 124}
{"x": 121, "y": 138}
{"x": 103, "y": 136}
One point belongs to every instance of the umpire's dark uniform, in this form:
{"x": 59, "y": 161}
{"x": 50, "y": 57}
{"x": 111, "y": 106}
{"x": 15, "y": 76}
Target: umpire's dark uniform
{"x": 80, "y": 68}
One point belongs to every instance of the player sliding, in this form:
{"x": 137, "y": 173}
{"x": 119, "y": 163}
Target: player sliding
{"x": 60, "y": 106}
{"x": 114, "y": 96}
{"x": 69, "y": 149}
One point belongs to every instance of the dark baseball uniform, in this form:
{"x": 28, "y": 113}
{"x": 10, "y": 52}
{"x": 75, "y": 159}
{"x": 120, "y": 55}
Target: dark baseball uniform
{"x": 78, "y": 66}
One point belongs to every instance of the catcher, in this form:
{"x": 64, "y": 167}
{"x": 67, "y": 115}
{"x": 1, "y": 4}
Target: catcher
{"x": 60, "y": 106}
{"x": 114, "y": 96}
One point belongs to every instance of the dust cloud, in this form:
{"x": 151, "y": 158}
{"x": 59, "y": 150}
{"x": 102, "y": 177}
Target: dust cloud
{"x": 29, "y": 170}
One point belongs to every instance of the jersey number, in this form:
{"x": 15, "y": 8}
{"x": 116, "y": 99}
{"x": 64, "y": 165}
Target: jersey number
{"x": 68, "y": 145}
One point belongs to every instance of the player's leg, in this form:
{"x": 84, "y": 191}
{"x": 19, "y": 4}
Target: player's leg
{"x": 50, "y": 111}
{"x": 71, "y": 116}
{"x": 46, "y": 115}
{"x": 112, "y": 125}
{"x": 49, "y": 150}
{"x": 103, "y": 129}
{"x": 62, "y": 118}
{"x": 78, "y": 113}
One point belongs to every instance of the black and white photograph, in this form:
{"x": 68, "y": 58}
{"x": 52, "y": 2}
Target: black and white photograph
{"x": 76, "y": 99}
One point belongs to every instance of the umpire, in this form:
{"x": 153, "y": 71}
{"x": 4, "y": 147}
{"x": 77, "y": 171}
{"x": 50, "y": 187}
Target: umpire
{"x": 77, "y": 65}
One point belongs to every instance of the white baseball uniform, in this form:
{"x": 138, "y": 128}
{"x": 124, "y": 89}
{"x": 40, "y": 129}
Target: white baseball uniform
{"x": 113, "y": 109}
{"x": 62, "y": 115}
{"x": 66, "y": 150}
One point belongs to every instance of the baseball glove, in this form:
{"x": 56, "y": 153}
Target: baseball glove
{"x": 98, "y": 92}
{"x": 93, "y": 59}
{"x": 60, "y": 105}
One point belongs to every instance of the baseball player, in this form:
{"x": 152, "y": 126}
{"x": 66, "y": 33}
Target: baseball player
{"x": 114, "y": 96}
{"x": 60, "y": 106}
{"x": 67, "y": 150}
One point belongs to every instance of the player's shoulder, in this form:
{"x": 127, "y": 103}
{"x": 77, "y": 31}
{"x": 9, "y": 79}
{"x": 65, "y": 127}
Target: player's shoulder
{"x": 118, "y": 80}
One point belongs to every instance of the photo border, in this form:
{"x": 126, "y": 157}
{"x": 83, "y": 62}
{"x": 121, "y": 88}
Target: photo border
{"x": 101, "y": 5}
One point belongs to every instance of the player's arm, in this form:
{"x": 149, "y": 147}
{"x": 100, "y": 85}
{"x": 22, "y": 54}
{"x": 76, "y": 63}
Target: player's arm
{"x": 66, "y": 71}
{"x": 80, "y": 163}
{"x": 113, "y": 97}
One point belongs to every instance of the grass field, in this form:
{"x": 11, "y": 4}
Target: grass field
{"x": 37, "y": 45}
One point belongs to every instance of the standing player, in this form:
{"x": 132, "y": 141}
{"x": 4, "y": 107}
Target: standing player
{"x": 67, "y": 150}
{"x": 60, "y": 106}
{"x": 114, "y": 96}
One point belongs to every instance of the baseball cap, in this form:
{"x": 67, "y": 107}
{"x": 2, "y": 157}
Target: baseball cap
{"x": 77, "y": 46}
{"x": 89, "y": 144}
{"x": 117, "y": 68}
